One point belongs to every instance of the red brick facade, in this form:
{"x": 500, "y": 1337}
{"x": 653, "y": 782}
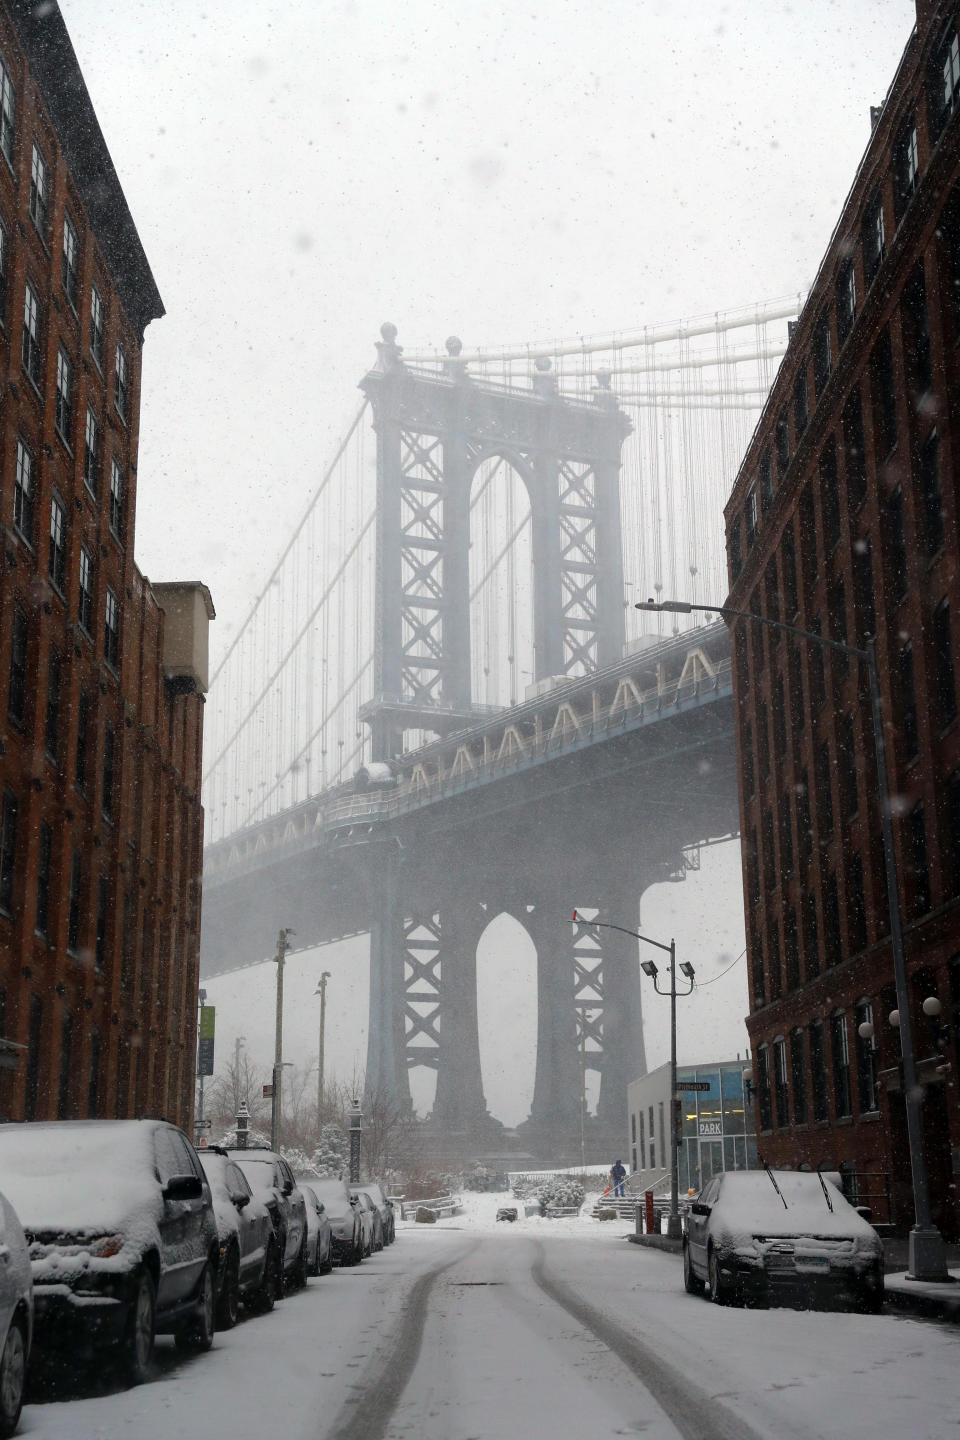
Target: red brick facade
{"x": 100, "y": 755}
{"x": 844, "y": 519}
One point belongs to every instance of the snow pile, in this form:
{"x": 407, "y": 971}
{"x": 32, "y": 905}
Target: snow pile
{"x": 479, "y": 1213}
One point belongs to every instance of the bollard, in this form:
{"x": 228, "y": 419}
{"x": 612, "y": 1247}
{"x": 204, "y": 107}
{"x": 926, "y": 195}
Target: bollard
{"x": 648, "y": 1206}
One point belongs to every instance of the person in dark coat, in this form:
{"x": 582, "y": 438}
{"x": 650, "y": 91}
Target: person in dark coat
{"x": 617, "y": 1176}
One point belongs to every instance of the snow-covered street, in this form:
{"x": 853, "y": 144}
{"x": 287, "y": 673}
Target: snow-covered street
{"x": 542, "y": 1330}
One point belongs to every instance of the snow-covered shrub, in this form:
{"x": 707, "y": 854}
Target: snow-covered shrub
{"x": 332, "y": 1155}
{"x": 299, "y": 1161}
{"x": 561, "y": 1191}
{"x": 483, "y": 1180}
{"x": 256, "y": 1139}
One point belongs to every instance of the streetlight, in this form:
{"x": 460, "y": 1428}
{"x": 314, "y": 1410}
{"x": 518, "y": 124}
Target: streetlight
{"x": 321, "y": 990}
{"x": 649, "y": 968}
{"x": 927, "y": 1258}
{"x": 282, "y": 948}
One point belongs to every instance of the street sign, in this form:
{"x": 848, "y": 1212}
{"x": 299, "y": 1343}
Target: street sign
{"x": 710, "y": 1130}
{"x": 208, "y": 1020}
{"x": 268, "y": 1092}
{"x": 693, "y": 1085}
{"x": 203, "y": 1125}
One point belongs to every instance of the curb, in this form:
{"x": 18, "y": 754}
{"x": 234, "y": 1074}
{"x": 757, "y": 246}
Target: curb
{"x": 658, "y": 1242}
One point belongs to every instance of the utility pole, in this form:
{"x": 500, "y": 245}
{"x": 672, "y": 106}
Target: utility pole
{"x": 322, "y": 992}
{"x": 282, "y": 948}
{"x": 583, "y": 1087}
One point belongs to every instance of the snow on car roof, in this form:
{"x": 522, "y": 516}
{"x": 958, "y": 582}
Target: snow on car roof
{"x": 80, "y": 1175}
{"x": 749, "y": 1204}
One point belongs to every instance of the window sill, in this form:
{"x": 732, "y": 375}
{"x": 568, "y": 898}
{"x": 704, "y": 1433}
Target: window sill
{"x": 844, "y": 1120}
{"x": 33, "y": 384}
{"x": 869, "y": 1116}
{"x": 64, "y": 441}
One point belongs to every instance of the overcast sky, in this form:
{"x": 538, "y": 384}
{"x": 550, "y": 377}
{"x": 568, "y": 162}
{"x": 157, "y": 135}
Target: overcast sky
{"x": 300, "y": 172}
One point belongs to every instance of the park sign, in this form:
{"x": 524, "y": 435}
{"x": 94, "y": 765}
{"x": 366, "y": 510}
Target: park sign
{"x": 208, "y": 1019}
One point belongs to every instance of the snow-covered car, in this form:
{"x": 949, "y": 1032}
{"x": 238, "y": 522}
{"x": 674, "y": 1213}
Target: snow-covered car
{"x": 385, "y": 1209}
{"x": 346, "y": 1230}
{"x": 765, "y": 1234}
{"x": 272, "y": 1181}
{"x": 16, "y": 1316}
{"x": 123, "y": 1243}
{"x": 369, "y": 1219}
{"x": 319, "y": 1259}
{"x": 249, "y": 1268}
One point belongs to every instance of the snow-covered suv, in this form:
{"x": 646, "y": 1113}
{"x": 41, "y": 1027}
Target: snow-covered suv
{"x": 123, "y": 1242}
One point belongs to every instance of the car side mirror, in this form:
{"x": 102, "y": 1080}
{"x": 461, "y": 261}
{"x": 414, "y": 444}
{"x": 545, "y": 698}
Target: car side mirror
{"x": 698, "y": 1208}
{"x": 288, "y": 1187}
{"x": 240, "y": 1199}
{"x": 183, "y": 1187}
{"x": 866, "y": 1212}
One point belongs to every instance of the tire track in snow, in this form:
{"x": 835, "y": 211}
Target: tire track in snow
{"x": 693, "y": 1411}
{"x": 369, "y": 1414}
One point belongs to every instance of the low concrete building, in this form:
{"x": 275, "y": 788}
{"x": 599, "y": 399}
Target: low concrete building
{"x": 716, "y": 1125}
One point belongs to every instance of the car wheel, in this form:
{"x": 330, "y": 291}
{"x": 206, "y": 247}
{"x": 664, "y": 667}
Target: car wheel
{"x": 13, "y": 1376}
{"x": 268, "y": 1291}
{"x": 141, "y": 1326}
{"x": 197, "y": 1334}
{"x": 691, "y": 1280}
{"x": 301, "y": 1268}
{"x": 870, "y": 1300}
{"x": 719, "y": 1290}
{"x": 228, "y": 1305}
{"x": 325, "y": 1265}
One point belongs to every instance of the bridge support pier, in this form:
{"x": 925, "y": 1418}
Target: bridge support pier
{"x": 387, "y": 1076}
{"x": 459, "y": 1106}
{"x": 556, "y": 1092}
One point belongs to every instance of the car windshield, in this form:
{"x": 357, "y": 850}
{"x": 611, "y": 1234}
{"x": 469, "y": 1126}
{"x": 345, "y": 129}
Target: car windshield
{"x": 480, "y": 716}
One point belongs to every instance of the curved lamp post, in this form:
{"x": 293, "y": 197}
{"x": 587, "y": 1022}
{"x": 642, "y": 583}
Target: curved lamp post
{"x": 927, "y": 1256}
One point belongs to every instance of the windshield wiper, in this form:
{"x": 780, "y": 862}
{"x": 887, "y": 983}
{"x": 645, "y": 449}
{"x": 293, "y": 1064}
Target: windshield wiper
{"x": 774, "y": 1184}
{"x": 826, "y": 1193}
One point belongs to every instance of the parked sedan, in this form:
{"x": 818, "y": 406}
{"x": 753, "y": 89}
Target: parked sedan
{"x": 385, "y": 1209}
{"x": 249, "y": 1266}
{"x": 319, "y": 1235}
{"x": 369, "y": 1219}
{"x": 123, "y": 1242}
{"x": 16, "y": 1316}
{"x": 272, "y": 1181}
{"x": 346, "y": 1230}
{"x": 785, "y": 1233}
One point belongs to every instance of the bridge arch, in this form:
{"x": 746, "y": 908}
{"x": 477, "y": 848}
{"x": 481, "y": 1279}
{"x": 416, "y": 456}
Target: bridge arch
{"x": 501, "y": 570}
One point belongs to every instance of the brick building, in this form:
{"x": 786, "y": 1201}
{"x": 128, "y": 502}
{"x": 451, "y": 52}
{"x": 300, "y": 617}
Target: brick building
{"x": 844, "y": 521}
{"x": 100, "y": 691}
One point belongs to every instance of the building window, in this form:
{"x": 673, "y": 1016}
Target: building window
{"x": 786, "y": 836}
{"x": 751, "y": 516}
{"x": 109, "y": 745}
{"x": 52, "y": 725}
{"x": 8, "y": 849}
{"x": 83, "y": 722}
{"x": 798, "y": 1073}
{"x": 945, "y": 81}
{"x": 782, "y": 443}
{"x": 818, "y": 1070}
{"x": 4, "y": 272}
{"x": 866, "y": 1058}
{"x": 840, "y": 1046}
{"x": 64, "y": 399}
{"x": 747, "y": 752}
{"x": 829, "y": 497}
{"x": 804, "y": 827}
{"x": 906, "y": 169}
{"x": 17, "y": 696}
{"x": 864, "y": 609}
{"x": 909, "y": 730}
{"x": 831, "y": 920}
{"x": 103, "y": 918}
{"x": 85, "y": 607}
{"x": 931, "y": 495}
{"x": 73, "y": 903}
{"x": 824, "y": 788}
{"x": 763, "y": 742}
{"x": 847, "y": 765}
{"x": 854, "y": 450}
{"x": 874, "y": 239}
{"x": 735, "y": 547}
{"x": 791, "y": 948}
{"x": 766, "y": 482}
{"x": 846, "y": 301}
{"x": 780, "y": 1089}
{"x": 896, "y": 545}
{"x": 773, "y": 960}
{"x": 66, "y": 1048}
{"x": 788, "y": 565}
{"x": 97, "y": 322}
{"x": 943, "y": 664}
{"x": 70, "y": 262}
{"x": 57, "y": 563}
{"x": 116, "y": 499}
{"x": 917, "y": 861}
{"x": 91, "y": 452}
{"x": 31, "y": 1093}
{"x": 801, "y": 404}
{"x": 39, "y": 191}
{"x": 24, "y": 493}
{"x": 8, "y": 113}
{"x": 772, "y": 589}
{"x": 948, "y": 234}
{"x": 951, "y": 825}
{"x": 769, "y": 858}
{"x": 44, "y": 858}
{"x": 856, "y": 904}
{"x": 30, "y": 344}
{"x": 120, "y": 383}
{"x": 756, "y": 970}
{"x": 779, "y": 717}
{"x": 917, "y": 334}
{"x": 884, "y": 395}
{"x": 111, "y": 631}
{"x": 822, "y": 357}
{"x": 763, "y": 1087}
{"x": 811, "y": 945}
{"x": 808, "y": 540}
{"x": 93, "y": 1084}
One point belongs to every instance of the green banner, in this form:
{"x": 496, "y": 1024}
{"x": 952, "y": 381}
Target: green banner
{"x": 208, "y": 1017}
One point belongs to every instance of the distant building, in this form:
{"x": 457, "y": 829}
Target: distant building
{"x": 844, "y": 521}
{"x": 716, "y": 1124}
{"x": 101, "y": 708}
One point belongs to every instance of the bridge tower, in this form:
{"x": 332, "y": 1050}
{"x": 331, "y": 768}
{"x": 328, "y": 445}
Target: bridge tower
{"x": 434, "y": 430}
